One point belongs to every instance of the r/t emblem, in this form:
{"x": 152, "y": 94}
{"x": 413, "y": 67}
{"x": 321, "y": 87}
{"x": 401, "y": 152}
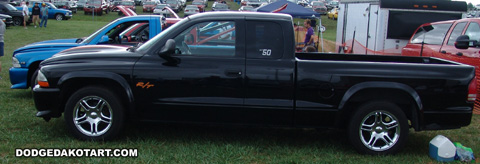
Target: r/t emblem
{"x": 144, "y": 85}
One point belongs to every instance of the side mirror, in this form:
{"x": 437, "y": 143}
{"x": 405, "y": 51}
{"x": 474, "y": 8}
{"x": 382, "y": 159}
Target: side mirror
{"x": 104, "y": 39}
{"x": 168, "y": 49}
{"x": 463, "y": 42}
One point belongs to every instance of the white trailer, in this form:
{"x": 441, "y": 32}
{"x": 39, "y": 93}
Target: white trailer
{"x": 383, "y": 27}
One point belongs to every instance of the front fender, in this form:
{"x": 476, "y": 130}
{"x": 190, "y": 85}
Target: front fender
{"x": 100, "y": 75}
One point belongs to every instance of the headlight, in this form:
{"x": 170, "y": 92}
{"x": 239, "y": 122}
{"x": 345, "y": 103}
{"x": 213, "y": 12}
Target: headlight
{"x": 42, "y": 80}
{"x": 15, "y": 62}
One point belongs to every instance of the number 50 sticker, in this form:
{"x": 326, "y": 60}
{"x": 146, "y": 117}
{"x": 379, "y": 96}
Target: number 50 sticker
{"x": 266, "y": 52}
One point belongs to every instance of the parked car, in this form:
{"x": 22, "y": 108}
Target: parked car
{"x": 69, "y": 5}
{"x": 149, "y": 6}
{"x": 127, "y": 4}
{"x": 333, "y": 14}
{"x": 190, "y": 10}
{"x": 53, "y": 11}
{"x": 319, "y": 7}
{"x": 246, "y": 8}
{"x": 175, "y": 5}
{"x": 200, "y": 5}
{"x": 159, "y": 9}
{"x": 17, "y": 16}
{"x": 81, "y": 4}
{"x": 27, "y": 58}
{"x": 192, "y": 74}
{"x": 7, "y": 19}
{"x": 455, "y": 40}
{"x": 97, "y": 7}
{"x": 332, "y": 4}
{"x": 220, "y": 7}
{"x": 253, "y": 3}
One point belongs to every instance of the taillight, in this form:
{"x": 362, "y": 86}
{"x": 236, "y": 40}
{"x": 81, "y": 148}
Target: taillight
{"x": 472, "y": 90}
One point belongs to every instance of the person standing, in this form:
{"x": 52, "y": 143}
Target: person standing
{"x": 44, "y": 13}
{"x": 36, "y": 14}
{"x": 2, "y": 32}
{"x": 25, "y": 14}
{"x": 309, "y": 34}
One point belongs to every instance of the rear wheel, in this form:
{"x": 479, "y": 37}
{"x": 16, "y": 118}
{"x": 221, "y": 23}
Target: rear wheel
{"x": 378, "y": 128}
{"x": 94, "y": 113}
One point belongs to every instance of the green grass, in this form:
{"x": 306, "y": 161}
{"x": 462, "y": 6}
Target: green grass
{"x": 165, "y": 143}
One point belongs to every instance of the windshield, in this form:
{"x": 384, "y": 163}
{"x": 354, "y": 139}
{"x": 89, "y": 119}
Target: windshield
{"x": 152, "y": 42}
{"x": 89, "y": 38}
{"x": 197, "y": 3}
{"x": 10, "y": 7}
{"x": 127, "y": 3}
{"x": 248, "y": 8}
{"x": 149, "y": 3}
{"x": 160, "y": 6}
{"x": 253, "y": 0}
{"x": 51, "y": 6}
{"x": 334, "y": 3}
{"x": 191, "y": 7}
{"x": 171, "y": 1}
{"x": 221, "y": 6}
{"x": 317, "y": 4}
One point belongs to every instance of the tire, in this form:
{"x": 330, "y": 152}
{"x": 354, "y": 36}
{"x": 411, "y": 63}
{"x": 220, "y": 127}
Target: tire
{"x": 369, "y": 135}
{"x": 17, "y": 21}
{"x": 59, "y": 17}
{"x": 105, "y": 112}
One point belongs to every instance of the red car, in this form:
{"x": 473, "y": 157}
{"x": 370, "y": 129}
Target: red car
{"x": 149, "y": 6}
{"x": 441, "y": 39}
{"x": 97, "y": 7}
{"x": 127, "y": 4}
{"x": 200, "y": 4}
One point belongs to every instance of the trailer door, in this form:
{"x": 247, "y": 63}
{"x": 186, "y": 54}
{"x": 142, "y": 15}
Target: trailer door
{"x": 356, "y": 27}
{"x": 372, "y": 30}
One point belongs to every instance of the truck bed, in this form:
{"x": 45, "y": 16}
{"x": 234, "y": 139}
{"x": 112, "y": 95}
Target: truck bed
{"x": 372, "y": 58}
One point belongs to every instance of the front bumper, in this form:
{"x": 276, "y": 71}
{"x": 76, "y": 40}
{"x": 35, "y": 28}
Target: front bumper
{"x": 47, "y": 102}
{"x": 18, "y": 78}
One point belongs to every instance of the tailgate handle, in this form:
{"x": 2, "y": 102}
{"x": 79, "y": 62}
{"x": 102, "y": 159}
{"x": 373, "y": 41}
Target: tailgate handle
{"x": 443, "y": 52}
{"x": 459, "y": 54}
{"x": 233, "y": 73}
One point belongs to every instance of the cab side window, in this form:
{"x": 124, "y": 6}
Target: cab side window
{"x": 432, "y": 34}
{"x": 473, "y": 31}
{"x": 208, "y": 39}
{"x": 457, "y": 31}
{"x": 264, "y": 40}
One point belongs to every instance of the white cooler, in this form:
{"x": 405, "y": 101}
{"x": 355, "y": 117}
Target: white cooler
{"x": 442, "y": 149}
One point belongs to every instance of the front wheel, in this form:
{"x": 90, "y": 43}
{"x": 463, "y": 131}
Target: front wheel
{"x": 94, "y": 113}
{"x": 17, "y": 21}
{"x": 378, "y": 128}
{"x": 59, "y": 17}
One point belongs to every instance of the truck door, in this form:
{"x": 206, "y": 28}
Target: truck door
{"x": 204, "y": 80}
{"x": 269, "y": 74}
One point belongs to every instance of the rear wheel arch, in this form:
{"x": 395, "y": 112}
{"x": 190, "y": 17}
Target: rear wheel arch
{"x": 406, "y": 98}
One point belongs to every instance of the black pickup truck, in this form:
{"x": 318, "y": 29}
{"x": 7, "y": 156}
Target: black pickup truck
{"x": 235, "y": 68}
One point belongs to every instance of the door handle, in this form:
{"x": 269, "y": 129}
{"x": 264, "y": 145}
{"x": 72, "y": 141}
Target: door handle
{"x": 233, "y": 73}
{"x": 443, "y": 52}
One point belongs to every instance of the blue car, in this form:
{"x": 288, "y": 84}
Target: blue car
{"x": 127, "y": 31}
{"x": 53, "y": 11}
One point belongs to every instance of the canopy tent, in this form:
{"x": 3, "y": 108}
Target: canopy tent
{"x": 291, "y": 8}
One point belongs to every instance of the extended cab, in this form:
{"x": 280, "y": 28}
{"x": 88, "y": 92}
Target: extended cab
{"x": 239, "y": 68}
{"x": 26, "y": 59}
{"x": 455, "y": 40}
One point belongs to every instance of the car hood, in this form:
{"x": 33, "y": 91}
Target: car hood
{"x": 45, "y": 47}
{"x": 71, "y": 40}
{"x": 92, "y": 49}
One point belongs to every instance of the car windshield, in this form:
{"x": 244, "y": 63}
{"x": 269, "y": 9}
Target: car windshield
{"x": 160, "y": 6}
{"x": 127, "y": 3}
{"x": 317, "y": 3}
{"x": 52, "y": 6}
{"x": 334, "y": 3}
{"x": 10, "y": 7}
{"x": 221, "y": 6}
{"x": 171, "y": 1}
{"x": 253, "y": 0}
{"x": 247, "y": 8}
{"x": 197, "y": 3}
{"x": 191, "y": 7}
{"x": 149, "y": 3}
{"x": 152, "y": 42}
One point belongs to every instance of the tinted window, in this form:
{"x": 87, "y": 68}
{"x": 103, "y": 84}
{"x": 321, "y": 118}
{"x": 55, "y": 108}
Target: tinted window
{"x": 402, "y": 24}
{"x": 264, "y": 40}
{"x": 473, "y": 31}
{"x": 457, "y": 31}
{"x": 433, "y": 34}
{"x": 208, "y": 39}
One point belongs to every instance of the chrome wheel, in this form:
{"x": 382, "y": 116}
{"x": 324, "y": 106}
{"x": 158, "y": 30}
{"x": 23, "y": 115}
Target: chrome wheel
{"x": 92, "y": 116}
{"x": 379, "y": 130}
{"x": 59, "y": 17}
